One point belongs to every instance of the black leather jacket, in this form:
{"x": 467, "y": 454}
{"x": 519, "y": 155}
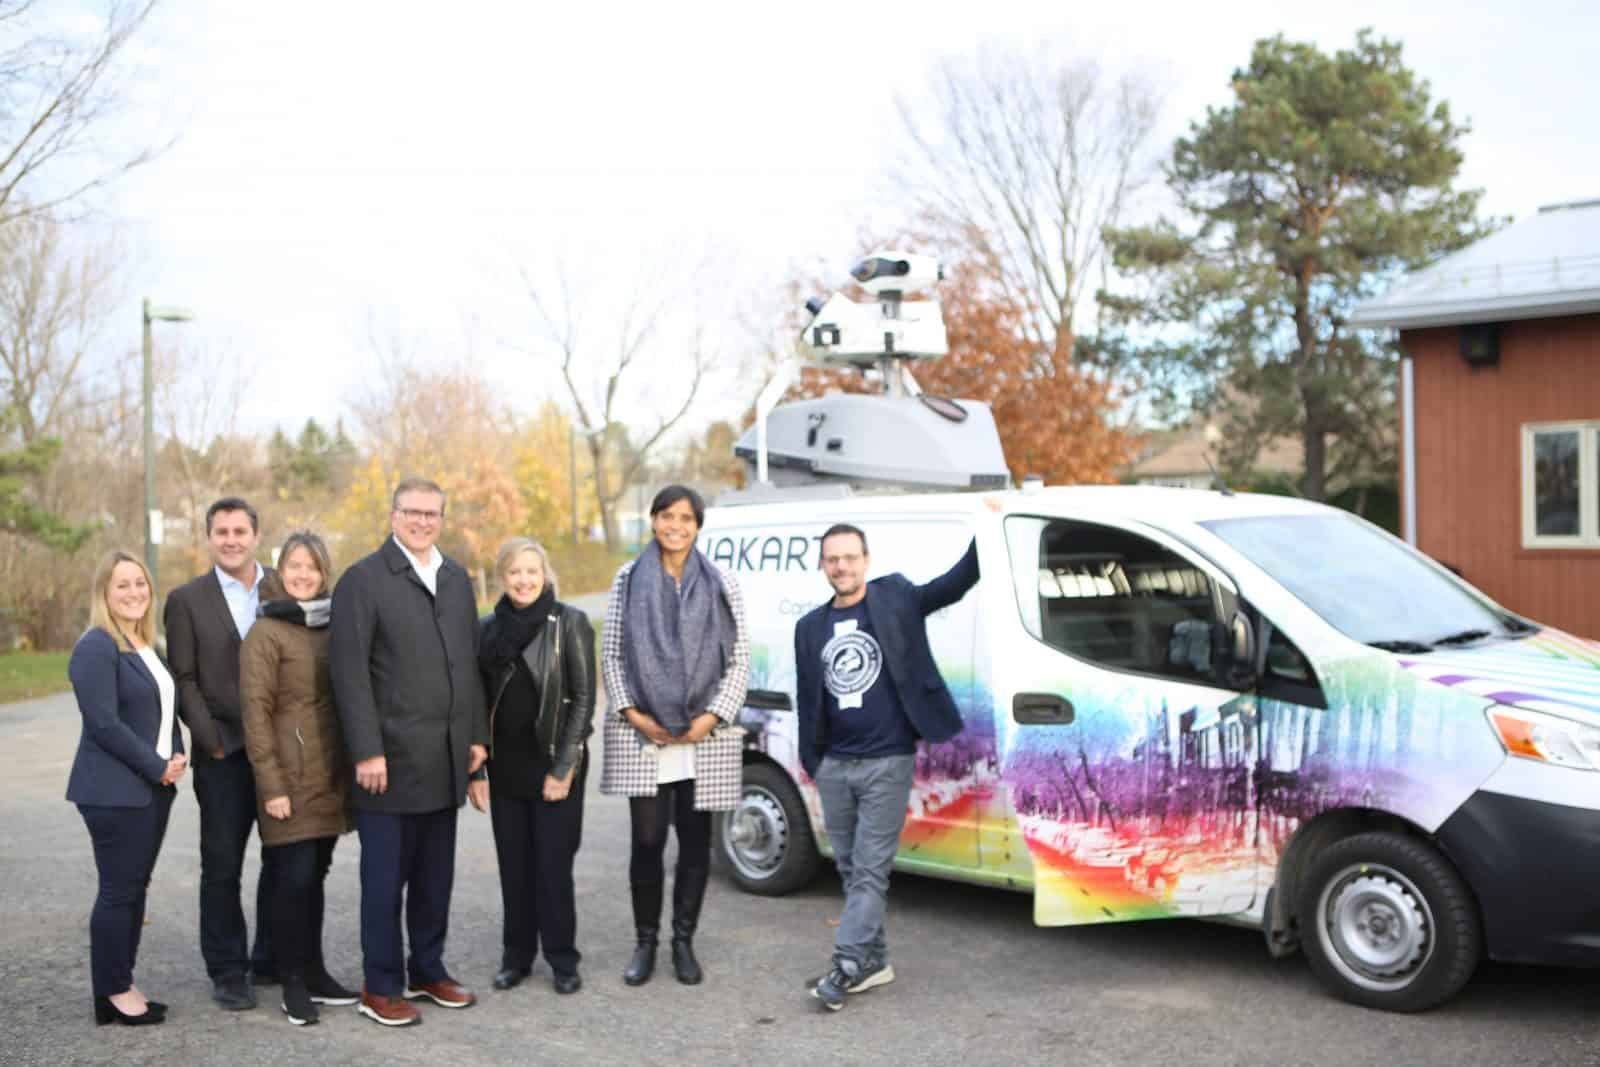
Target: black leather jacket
{"x": 561, "y": 660}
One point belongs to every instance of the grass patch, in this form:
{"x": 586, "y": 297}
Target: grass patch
{"x": 25, "y": 675}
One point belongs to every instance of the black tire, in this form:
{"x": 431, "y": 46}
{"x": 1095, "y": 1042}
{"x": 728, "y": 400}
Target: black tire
{"x": 1386, "y": 922}
{"x": 766, "y": 844}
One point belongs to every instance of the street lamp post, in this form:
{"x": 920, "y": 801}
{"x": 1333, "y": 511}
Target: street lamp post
{"x": 151, "y": 536}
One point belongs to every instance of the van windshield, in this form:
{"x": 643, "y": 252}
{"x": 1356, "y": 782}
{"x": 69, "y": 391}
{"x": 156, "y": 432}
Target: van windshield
{"x": 1365, "y": 584}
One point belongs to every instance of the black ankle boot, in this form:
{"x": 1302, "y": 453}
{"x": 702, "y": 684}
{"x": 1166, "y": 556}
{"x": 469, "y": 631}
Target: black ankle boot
{"x": 643, "y": 964}
{"x": 684, "y": 965}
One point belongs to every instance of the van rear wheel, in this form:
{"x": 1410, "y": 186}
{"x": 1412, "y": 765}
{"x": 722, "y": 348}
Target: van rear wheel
{"x": 766, "y": 842}
{"x": 1386, "y": 922}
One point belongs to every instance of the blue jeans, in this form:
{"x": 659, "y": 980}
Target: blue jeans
{"x": 864, "y": 808}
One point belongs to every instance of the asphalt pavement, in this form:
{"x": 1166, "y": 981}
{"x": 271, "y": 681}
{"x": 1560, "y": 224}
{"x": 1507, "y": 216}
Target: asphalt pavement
{"x": 977, "y": 982}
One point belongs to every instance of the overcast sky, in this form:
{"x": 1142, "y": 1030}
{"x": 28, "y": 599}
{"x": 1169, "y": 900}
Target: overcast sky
{"x": 347, "y": 166}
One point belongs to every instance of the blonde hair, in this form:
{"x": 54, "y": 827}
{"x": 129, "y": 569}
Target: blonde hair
{"x": 100, "y": 615}
{"x": 513, "y": 547}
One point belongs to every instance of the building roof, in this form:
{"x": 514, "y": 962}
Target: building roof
{"x": 1544, "y": 265}
{"x": 1185, "y": 454}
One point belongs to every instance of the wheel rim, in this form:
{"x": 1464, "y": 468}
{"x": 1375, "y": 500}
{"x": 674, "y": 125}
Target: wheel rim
{"x": 1376, "y": 927}
{"x": 756, "y": 835}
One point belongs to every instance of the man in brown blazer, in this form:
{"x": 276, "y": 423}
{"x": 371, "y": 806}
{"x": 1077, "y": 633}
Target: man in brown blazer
{"x": 206, "y": 620}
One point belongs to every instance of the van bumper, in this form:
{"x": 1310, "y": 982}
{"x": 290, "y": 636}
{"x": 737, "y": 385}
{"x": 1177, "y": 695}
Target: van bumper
{"x": 1533, "y": 866}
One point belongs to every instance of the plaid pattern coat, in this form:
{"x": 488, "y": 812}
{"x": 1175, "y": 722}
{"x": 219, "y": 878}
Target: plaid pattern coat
{"x": 629, "y": 765}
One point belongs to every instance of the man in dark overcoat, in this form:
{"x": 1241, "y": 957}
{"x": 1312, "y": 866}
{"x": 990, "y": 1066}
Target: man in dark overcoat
{"x": 405, "y": 677}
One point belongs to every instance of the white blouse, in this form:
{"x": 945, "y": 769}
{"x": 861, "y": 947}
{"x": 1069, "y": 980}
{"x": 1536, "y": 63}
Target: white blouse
{"x": 169, "y": 699}
{"x": 675, "y": 763}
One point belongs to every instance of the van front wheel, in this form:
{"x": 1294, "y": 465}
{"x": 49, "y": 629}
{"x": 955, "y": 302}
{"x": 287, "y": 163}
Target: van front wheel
{"x": 1386, "y": 922}
{"x": 766, "y": 842}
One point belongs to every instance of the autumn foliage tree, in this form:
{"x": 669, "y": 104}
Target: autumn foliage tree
{"x": 447, "y": 424}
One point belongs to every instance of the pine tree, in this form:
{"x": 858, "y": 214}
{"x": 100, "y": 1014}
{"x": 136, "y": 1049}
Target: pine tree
{"x": 1324, "y": 176}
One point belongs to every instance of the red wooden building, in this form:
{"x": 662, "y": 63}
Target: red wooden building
{"x": 1500, "y": 413}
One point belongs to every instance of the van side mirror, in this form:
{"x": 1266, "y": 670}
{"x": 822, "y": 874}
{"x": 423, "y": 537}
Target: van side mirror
{"x": 1243, "y": 639}
{"x": 1240, "y": 670}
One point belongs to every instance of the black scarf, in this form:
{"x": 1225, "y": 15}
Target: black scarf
{"x": 512, "y": 629}
{"x": 312, "y": 614}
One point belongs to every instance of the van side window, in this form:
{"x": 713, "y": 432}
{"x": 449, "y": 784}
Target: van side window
{"x": 1113, "y": 598}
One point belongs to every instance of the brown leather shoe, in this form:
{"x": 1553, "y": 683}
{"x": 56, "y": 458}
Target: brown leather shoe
{"x": 447, "y": 993}
{"x": 388, "y": 1011}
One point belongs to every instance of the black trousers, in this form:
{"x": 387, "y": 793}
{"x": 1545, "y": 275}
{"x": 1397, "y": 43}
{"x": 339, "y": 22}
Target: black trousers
{"x": 295, "y": 910}
{"x": 126, "y": 843}
{"x": 536, "y": 841}
{"x": 409, "y": 857}
{"x": 672, "y": 805}
{"x": 226, "y": 792}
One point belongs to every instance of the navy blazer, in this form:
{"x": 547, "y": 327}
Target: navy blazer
{"x": 116, "y": 765}
{"x": 898, "y": 609}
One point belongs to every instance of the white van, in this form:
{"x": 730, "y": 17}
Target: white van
{"x": 1190, "y": 703}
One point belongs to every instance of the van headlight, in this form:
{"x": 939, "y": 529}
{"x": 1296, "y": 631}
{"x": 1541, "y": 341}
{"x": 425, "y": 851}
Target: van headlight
{"x": 1547, "y": 738}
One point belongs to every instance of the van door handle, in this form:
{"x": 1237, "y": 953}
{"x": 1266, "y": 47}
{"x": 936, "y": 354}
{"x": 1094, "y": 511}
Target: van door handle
{"x": 1041, "y": 709}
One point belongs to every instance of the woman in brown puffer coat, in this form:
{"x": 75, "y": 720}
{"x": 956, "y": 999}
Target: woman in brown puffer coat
{"x": 302, "y": 771}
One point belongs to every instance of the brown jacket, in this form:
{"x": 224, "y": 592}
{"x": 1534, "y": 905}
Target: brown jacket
{"x": 292, "y": 731}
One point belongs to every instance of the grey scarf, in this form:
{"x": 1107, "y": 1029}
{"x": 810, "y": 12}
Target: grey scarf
{"x": 678, "y": 637}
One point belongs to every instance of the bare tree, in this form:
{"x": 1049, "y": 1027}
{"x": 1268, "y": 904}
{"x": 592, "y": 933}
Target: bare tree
{"x": 54, "y": 302}
{"x": 1026, "y": 159}
{"x": 606, "y": 370}
{"x": 198, "y": 398}
{"x": 60, "y": 91}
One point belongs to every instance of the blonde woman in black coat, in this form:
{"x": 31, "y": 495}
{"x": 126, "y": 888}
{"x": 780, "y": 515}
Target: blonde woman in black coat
{"x": 537, "y": 659}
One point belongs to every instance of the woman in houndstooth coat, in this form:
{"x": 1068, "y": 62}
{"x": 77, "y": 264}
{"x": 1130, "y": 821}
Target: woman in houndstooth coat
{"x": 675, "y": 658}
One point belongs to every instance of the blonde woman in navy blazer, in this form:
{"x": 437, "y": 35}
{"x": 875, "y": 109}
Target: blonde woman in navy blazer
{"x": 130, "y": 757}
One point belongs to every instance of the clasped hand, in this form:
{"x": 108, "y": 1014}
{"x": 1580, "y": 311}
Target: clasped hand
{"x": 657, "y": 734}
{"x": 175, "y": 768}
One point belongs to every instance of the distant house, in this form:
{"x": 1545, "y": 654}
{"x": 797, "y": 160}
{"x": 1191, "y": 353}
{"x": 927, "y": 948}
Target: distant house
{"x": 1184, "y": 458}
{"x": 1500, "y": 412}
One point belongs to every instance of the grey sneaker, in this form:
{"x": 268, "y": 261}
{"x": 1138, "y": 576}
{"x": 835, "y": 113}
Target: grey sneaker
{"x": 833, "y": 987}
{"x": 873, "y": 975}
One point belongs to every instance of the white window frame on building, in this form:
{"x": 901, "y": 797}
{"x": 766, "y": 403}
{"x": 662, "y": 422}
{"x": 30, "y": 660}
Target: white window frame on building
{"x": 1588, "y": 535}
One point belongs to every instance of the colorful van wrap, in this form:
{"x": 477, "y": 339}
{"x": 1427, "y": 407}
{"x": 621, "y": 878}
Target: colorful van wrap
{"x": 1160, "y": 797}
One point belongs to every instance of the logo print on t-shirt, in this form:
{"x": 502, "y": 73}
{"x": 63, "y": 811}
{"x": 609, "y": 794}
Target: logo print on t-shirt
{"x": 851, "y": 662}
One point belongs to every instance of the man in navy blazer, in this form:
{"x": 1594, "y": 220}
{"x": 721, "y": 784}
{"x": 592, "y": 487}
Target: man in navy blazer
{"x": 867, "y": 690}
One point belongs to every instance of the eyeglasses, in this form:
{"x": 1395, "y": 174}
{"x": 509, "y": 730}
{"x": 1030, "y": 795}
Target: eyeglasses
{"x": 417, "y": 515}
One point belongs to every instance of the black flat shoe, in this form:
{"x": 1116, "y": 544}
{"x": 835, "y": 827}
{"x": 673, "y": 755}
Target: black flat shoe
{"x": 511, "y": 977}
{"x": 567, "y": 983}
{"x": 643, "y": 964}
{"x": 107, "y": 1012}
